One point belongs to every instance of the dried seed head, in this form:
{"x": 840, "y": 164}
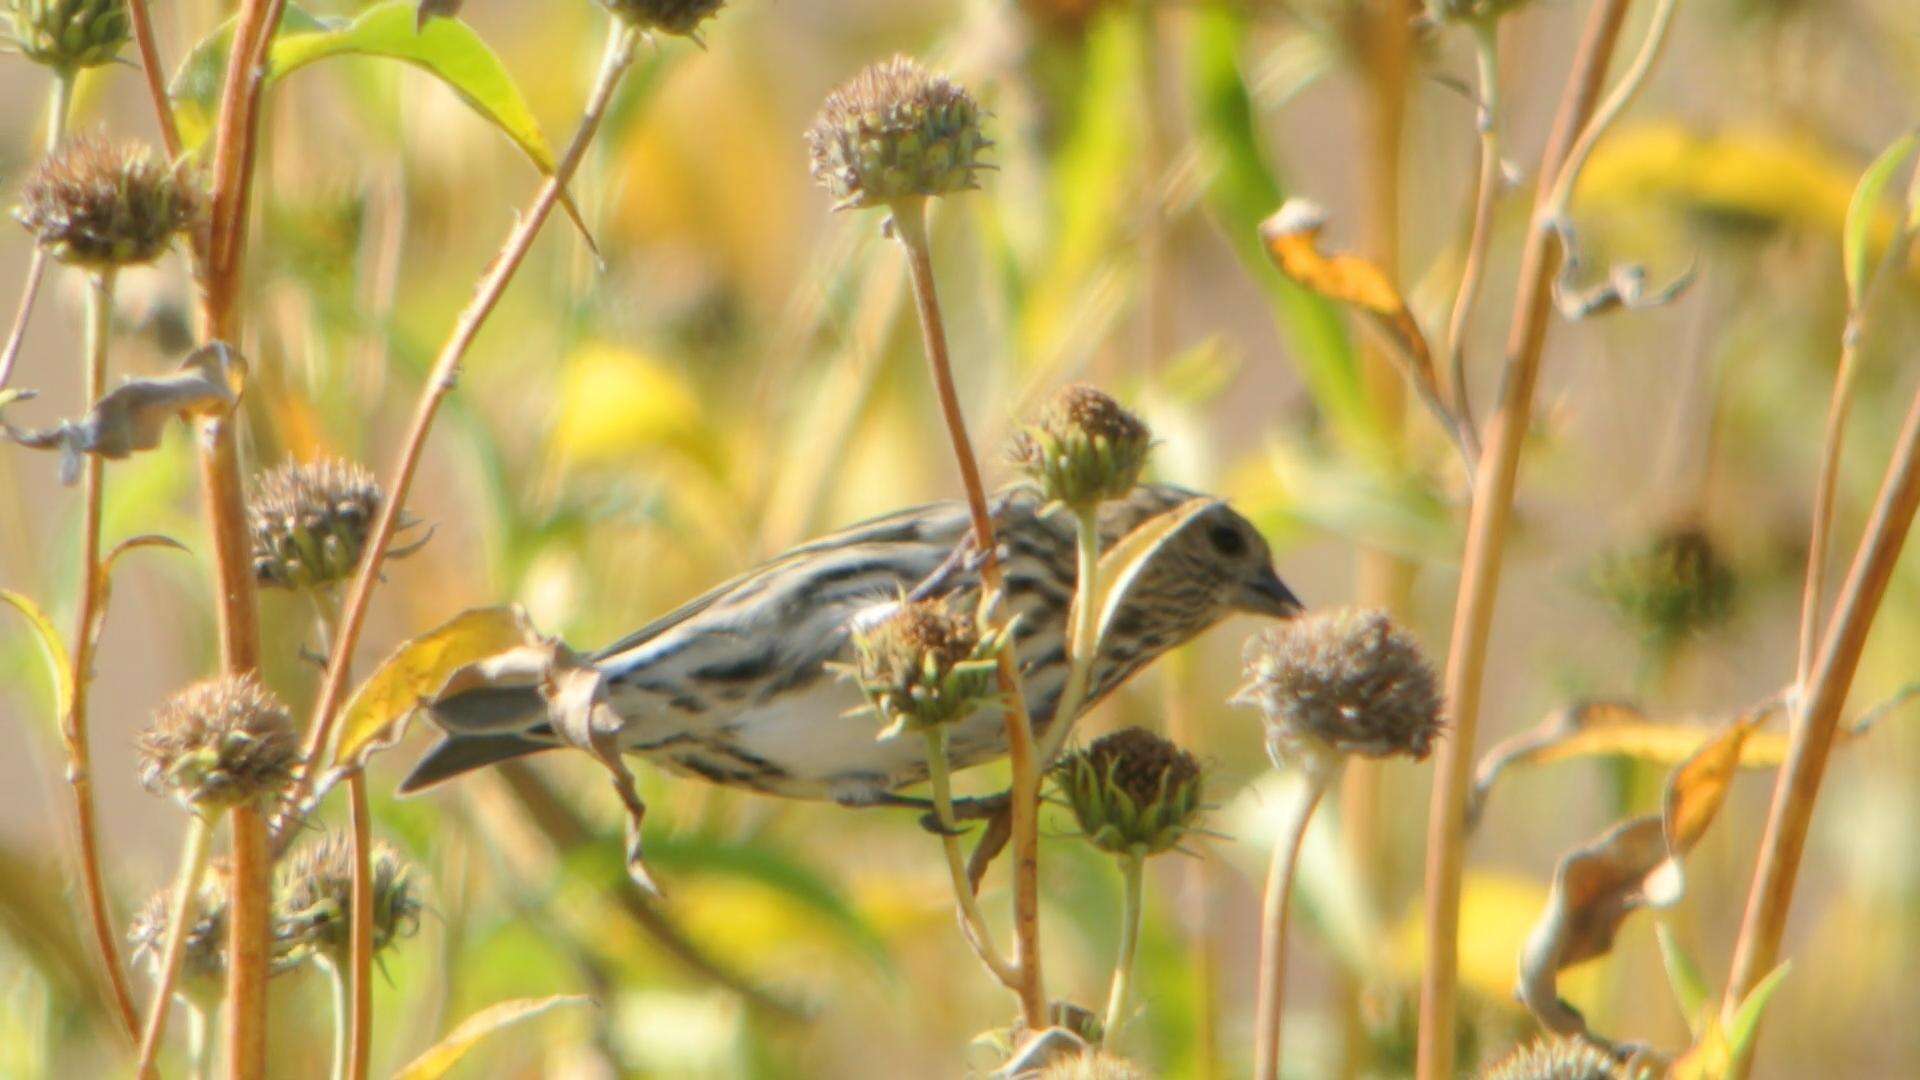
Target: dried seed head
{"x": 220, "y": 743}
{"x": 1133, "y": 792}
{"x": 1348, "y": 680}
{"x": 101, "y": 206}
{"x": 1673, "y": 588}
{"x": 315, "y": 897}
{"x": 922, "y": 666}
{"x": 70, "y": 34}
{"x": 1084, "y": 450}
{"x": 895, "y": 131}
{"x": 310, "y": 523}
{"x": 681, "y": 17}
{"x": 205, "y": 961}
{"x": 1094, "y": 1065}
{"x": 1555, "y": 1059}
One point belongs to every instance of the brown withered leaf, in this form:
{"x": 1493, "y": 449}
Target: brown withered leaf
{"x": 429, "y": 9}
{"x": 1635, "y": 864}
{"x": 132, "y": 416}
{"x": 1292, "y": 239}
{"x": 1594, "y": 728}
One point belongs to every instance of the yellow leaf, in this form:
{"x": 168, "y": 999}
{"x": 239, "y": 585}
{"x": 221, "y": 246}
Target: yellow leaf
{"x": 616, "y": 403}
{"x": 58, "y": 663}
{"x": 1292, "y": 238}
{"x": 418, "y": 669}
{"x": 439, "y": 1060}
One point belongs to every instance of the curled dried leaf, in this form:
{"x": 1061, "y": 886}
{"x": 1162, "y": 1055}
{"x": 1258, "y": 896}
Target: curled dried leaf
{"x": 1623, "y": 289}
{"x": 1633, "y": 865}
{"x": 132, "y": 416}
{"x": 432, "y": 9}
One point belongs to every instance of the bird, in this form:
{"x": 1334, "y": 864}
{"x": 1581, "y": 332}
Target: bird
{"x": 738, "y": 687}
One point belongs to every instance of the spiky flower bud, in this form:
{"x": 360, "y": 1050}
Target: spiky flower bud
{"x": 681, "y": 17}
{"x": 101, "y": 206}
{"x": 922, "y": 665}
{"x": 220, "y": 743}
{"x": 1555, "y": 1059}
{"x": 205, "y": 961}
{"x": 315, "y": 897}
{"x": 1346, "y": 681}
{"x": 70, "y": 34}
{"x": 1093, "y": 1065}
{"x": 1133, "y": 792}
{"x": 896, "y": 131}
{"x": 1084, "y": 450}
{"x": 1674, "y": 587}
{"x": 310, "y": 523}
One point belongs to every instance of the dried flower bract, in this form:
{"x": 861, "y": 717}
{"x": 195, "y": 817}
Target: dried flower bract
{"x": 1348, "y": 681}
{"x": 896, "y": 131}
{"x": 1555, "y": 1059}
{"x": 70, "y": 34}
{"x": 220, "y": 743}
{"x": 316, "y": 894}
{"x": 922, "y": 665}
{"x": 102, "y": 206}
{"x": 1084, "y": 450}
{"x": 310, "y": 523}
{"x": 681, "y": 17}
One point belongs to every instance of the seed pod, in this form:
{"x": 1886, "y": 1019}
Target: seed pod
{"x": 923, "y": 666}
{"x": 218, "y": 744}
{"x": 896, "y": 131}
{"x": 71, "y": 34}
{"x": 1133, "y": 792}
{"x": 1551, "y": 1058}
{"x": 1347, "y": 681}
{"x": 101, "y": 206}
{"x": 310, "y": 523}
{"x": 315, "y": 897}
{"x": 681, "y": 17}
{"x": 205, "y": 962}
{"x": 1084, "y": 450}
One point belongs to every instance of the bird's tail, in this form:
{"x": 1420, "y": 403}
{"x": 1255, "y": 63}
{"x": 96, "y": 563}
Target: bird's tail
{"x": 483, "y": 726}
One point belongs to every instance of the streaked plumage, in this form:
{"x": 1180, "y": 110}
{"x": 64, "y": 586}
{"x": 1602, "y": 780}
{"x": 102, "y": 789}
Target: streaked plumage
{"x": 734, "y": 686}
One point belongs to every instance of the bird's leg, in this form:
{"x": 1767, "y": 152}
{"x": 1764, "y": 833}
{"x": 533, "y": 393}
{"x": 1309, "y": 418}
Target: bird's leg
{"x": 992, "y": 842}
{"x": 974, "y": 808}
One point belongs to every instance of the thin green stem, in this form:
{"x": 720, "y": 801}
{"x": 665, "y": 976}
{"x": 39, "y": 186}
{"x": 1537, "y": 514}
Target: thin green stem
{"x": 342, "y": 999}
{"x": 1486, "y": 47}
{"x": 359, "y": 959}
{"x": 59, "y": 108}
{"x": 939, "y": 776}
{"x": 1554, "y": 212}
{"x": 180, "y": 917}
{"x": 1321, "y": 771}
{"x": 199, "y": 1039}
{"x": 1083, "y": 643}
{"x": 1131, "y": 911}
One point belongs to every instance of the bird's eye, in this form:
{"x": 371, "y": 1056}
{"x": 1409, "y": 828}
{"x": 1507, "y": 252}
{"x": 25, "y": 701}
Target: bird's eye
{"x": 1227, "y": 541}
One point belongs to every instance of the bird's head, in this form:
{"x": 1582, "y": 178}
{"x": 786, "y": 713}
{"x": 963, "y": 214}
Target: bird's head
{"x": 1214, "y": 565}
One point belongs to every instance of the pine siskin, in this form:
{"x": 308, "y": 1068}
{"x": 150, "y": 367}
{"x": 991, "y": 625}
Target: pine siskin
{"x": 734, "y": 687}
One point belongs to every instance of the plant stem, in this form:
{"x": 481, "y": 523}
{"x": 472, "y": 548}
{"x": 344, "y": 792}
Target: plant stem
{"x": 59, "y": 107}
{"x": 1623, "y": 94}
{"x": 155, "y": 73}
{"x": 249, "y": 950}
{"x": 1486, "y": 48}
{"x": 1131, "y": 911}
{"x": 1486, "y": 538}
{"x": 1083, "y": 645}
{"x": 86, "y": 619}
{"x": 342, "y": 1009}
{"x": 180, "y": 914}
{"x": 1813, "y": 593}
{"x": 910, "y": 227}
{"x": 445, "y": 375}
{"x": 358, "y": 1046}
{"x": 1823, "y": 698}
{"x": 1320, "y": 772}
{"x": 971, "y": 921}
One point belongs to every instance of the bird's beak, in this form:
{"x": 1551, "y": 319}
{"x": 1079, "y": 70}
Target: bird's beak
{"x": 1268, "y": 595}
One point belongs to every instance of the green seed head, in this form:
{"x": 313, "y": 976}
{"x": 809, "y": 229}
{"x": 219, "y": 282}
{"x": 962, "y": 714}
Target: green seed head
{"x": 310, "y": 523}
{"x": 1347, "y": 680}
{"x": 1671, "y": 589}
{"x": 70, "y": 34}
{"x": 1084, "y": 450}
{"x": 1556, "y": 1059}
{"x": 1133, "y": 792}
{"x": 99, "y": 206}
{"x": 681, "y": 17}
{"x": 218, "y": 744}
{"x": 896, "y": 131}
{"x": 315, "y": 897}
{"x": 923, "y": 666}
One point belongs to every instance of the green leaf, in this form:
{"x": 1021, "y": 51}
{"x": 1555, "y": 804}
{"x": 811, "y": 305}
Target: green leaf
{"x": 1689, "y": 986}
{"x": 447, "y": 48}
{"x": 445, "y": 1054}
{"x": 1746, "y": 1021}
{"x": 1241, "y": 192}
{"x": 59, "y": 666}
{"x": 1864, "y": 210}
